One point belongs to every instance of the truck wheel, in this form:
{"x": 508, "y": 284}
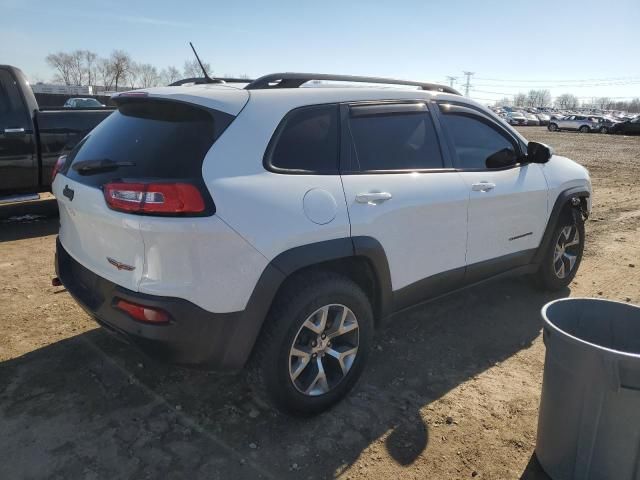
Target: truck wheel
{"x": 552, "y": 127}
{"x": 563, "y": 256}
{"x": 584, "y": 129}
{"x": 314, "y": 345}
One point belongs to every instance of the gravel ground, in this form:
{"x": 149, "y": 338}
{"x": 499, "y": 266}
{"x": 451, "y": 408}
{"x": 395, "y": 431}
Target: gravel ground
{"x": 452, "y": 390}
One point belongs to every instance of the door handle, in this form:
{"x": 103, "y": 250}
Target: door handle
{"x": 483, "y": 186}
{"x": 373, "y": 198}
{"x": 14, "y": 131}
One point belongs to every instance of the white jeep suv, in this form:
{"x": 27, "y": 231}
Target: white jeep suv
{"x": 275, "y": 226}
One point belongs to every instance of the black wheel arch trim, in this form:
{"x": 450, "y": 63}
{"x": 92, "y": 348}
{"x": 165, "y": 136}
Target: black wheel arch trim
{"x": 564, "y": 198}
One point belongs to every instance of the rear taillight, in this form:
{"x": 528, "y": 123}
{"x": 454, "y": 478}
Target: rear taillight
{"x": 143, "y": 313}
{"x": 160, "y": 198}
{"x": 62, "y": 159}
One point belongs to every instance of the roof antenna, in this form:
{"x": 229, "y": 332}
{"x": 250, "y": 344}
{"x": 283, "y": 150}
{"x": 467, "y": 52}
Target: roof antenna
{"x": 207, "y": 78}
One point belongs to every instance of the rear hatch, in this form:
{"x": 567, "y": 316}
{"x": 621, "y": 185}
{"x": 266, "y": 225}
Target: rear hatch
{"x": 141, "y": 155}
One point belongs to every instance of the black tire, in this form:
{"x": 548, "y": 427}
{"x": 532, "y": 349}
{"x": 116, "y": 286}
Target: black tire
{"x": 269, "y": 371}
{"x": 546, "y": 278}
{"x": 604, "y": 129}
{"x": 552, "y": 127}
{"x": 584, "y": 129}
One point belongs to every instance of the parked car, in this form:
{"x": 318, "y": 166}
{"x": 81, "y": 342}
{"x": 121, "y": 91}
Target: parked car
{"x": 580, "y": 123}
{"x": 296, "y": 219}
{"x": 83, "y": 103}
{"x": 532, "y": 120}
{"x": 628, "y": 127}
{"x": 32, "y": 140}
{"x": 516, "y": 118}
{"x": 543, "y": 118}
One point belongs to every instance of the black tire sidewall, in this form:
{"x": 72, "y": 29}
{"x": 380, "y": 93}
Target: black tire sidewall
{"x": 338, "y": 290}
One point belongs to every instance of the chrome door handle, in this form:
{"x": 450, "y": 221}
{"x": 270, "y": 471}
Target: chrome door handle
{"x": 483, "y": 186}
{"x": 373, "y": 198}
{"x": 13, "y": 130}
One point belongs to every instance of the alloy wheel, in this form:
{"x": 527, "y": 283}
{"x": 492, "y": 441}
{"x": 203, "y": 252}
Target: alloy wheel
{"x": 324, "y": 350}
{"x": 566, "y": 251}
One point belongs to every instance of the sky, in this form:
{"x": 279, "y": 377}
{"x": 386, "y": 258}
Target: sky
{"x": 588, "y": 48}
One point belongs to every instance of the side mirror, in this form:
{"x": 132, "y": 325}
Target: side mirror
{"x": 502, "y": 158}
{"x": 538, "y": 152}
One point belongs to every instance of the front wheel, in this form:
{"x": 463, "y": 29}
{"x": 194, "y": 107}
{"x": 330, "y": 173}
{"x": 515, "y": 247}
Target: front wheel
{"x": 584, "y": 129}
{"x": 315, "y": 343}
{"x": 604, "y": 130}
{"x": 552, "y": 127}
{"x": 563, "y": 256}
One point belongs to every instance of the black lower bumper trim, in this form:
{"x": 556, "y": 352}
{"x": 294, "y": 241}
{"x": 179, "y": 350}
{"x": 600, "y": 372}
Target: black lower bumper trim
{"x": 194, "y": 336}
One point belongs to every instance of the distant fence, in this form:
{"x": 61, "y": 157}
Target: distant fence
{"x": 52, "y": 100}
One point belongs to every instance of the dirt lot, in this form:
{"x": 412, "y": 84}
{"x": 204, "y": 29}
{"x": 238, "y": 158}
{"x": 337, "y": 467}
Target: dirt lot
{"x": 452, "y": 390}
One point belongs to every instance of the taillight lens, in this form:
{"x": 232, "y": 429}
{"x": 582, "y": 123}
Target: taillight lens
{"x": 62, "y": 159}
{"x": 143, "y": 313}
{"x": 160, "y": 198}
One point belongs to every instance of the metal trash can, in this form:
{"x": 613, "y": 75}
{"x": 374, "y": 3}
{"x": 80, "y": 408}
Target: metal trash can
{"x": 589, "y": 420}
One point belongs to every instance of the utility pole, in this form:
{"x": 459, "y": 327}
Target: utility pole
{"x": 467, "y": 85}
{"x": 451, "y": 80}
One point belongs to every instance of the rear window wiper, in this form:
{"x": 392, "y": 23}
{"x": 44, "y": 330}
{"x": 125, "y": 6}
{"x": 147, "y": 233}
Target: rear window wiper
{"x": 87, "y": 167}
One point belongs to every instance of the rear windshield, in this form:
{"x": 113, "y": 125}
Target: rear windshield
{"x": 149, "y": 140}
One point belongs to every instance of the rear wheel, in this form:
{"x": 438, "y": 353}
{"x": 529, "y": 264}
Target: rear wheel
{"x": 604, "y": 129}
{"x": 584, "y": 129}
{"x": 315, "y": 343}
{"x": 563, "y": 256}
{"x": 552, "y": 127}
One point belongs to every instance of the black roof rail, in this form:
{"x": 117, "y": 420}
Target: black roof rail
{"x": 203, "y": 80}
{"x": 295, "y": 80}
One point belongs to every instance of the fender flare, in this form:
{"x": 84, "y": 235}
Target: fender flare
{"x": 562, "y": 200}
{"x": 297, "y": 258}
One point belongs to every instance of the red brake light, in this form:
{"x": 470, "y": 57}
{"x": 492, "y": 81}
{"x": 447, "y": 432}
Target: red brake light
{"x": 58, "y": 166}
{"x": 143, "y": 313}
{"x": 167, "y": 198}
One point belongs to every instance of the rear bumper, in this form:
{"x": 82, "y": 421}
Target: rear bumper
{"x": 194, "y": 336}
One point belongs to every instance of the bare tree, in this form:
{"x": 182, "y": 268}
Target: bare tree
{"x": 519, "y": 100}
{"x": 105, "y": 73}
{"x": 169, "y": 75}
{"x": 147, "y": 75}
{"x": 603, "y": 103}
{"x": 567, "y": 100}
{"x": 192, "y": 69}
{"x": 62, "y": 63}
{"x": 538, "y": 98}
{"x": 90, "y": 67}
{"x": 121, "y": 66}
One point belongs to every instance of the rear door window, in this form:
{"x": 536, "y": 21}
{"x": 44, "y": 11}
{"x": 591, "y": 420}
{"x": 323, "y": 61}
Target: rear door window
{"x": 306, "y": 141}
{"x": 390, "y": 137}
{"x": 149, "y": 140}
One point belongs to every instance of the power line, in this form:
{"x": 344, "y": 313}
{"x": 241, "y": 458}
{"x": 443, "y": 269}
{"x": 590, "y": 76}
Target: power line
{"x": 560, "y": 80}
{"x": 451, "y": 80}
{"x": 467, "y": 85}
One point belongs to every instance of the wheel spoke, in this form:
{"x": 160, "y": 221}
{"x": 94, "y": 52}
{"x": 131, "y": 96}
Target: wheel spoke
{"x": 345, "y": 358}
{"x": 560, "y": 269}
{"x": 319, "y": 384}
{"x": 574, "y": 241}
{"x": 317, "y": 322}
{"x": 345, "y": 323}
{"x": 569, "y": 260}
{"x": 303, "y": 356}
{"x": 557, "y": 253}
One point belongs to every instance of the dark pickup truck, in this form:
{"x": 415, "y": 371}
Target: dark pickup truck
{"x": 31, "y": 139}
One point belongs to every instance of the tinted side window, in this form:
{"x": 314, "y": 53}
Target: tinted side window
{"x": 395, "y": 141}
{"x": 12, "y": 109}
{"x": 307, "y": 141}
{"x": 474, "y": 140}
